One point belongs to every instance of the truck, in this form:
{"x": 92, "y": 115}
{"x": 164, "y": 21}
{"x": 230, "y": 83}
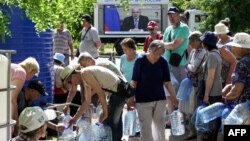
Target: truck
{"x": 109, "y": 16}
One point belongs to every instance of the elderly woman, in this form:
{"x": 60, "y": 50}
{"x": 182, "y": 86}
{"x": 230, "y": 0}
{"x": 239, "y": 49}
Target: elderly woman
{"x": 228, "y": 59}
{"x": 212, "y": 69}
{"x": 239, "y": 90}
{"x": 197, "y": 57}
{"x": 19, "y": 73}
{"x": 150, "y": 73}
{"x": 212, "y": 77}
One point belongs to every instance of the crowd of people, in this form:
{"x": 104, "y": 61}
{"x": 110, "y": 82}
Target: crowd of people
{"x": 148, "y": 80}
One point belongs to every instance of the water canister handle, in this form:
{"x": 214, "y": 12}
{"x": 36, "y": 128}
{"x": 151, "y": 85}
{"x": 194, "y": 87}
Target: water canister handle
{"x": 175, "y": 108}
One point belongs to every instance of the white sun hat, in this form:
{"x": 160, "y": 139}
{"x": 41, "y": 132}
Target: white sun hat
{"x": 220, "y": 28}
{"x": 241, "y": 40}
{"x": 32, "y": 118}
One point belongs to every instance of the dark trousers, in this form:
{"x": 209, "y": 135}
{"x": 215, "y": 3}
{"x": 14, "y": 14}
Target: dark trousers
{"x": 114, "y": 120}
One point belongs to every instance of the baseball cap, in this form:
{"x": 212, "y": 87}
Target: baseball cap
{"x": 152, "y": 24}
{"x": 32, "y": 118}
{"x": 37, "y": 85}
{"x": 59, "y": 57}
{"x": 173, "y": 10}
{"x": 87, "y": 17}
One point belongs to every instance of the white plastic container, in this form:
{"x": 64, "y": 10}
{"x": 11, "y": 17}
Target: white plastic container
{"x": 177, "y": 123}
{"x": 3, "y": 95}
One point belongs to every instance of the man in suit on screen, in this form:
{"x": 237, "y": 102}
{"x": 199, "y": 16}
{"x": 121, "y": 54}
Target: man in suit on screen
{"x": 135, "y": 22}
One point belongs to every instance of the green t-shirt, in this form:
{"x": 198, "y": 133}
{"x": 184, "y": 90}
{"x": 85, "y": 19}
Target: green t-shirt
{"x": 170, "y": 34}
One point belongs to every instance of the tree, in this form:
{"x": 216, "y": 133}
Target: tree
{"x": 216, "y": 10}
{"x": 47, "y": 13}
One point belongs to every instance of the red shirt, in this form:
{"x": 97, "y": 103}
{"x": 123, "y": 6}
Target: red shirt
{"x": 149, "y": 39}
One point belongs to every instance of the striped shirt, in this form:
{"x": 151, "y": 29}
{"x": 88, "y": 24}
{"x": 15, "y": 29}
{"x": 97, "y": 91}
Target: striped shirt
{"x": 61, "y": 41}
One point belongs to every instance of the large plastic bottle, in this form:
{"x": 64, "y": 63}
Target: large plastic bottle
{"x": 240, "y": 113}
{"x": 212, "y": 112}
{"x": 102, "y": 132}
{"x": 87, "y": 114}
{"x": 185, "y": 89}
{"x": 85, "y": 130}
{"x": 94, "y": 115}
{"x": 199, "y": 124}
{"x": 129, "y": 128}
{"x": 224, "y": 114}
{"x": 177, "y": 123}
{"x": 68, "y": 134}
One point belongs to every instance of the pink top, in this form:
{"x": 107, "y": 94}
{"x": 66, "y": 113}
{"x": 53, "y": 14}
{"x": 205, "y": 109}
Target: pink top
{"x": 17, "y": 72}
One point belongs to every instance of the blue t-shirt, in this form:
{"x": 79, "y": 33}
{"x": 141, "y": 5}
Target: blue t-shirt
{"x": 127, "y": 66}
{"x": 150, "y": 78}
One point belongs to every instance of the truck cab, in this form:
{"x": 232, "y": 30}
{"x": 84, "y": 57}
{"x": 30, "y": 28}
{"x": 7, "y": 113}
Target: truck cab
{"x": 194, "y": 18}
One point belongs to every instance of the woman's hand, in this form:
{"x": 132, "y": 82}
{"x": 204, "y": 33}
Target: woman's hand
{"x": 73, "y": 121}
{"x": 130, "y": 104}
{"x": 65, "y": 109}
{"x": 206, "y": 99}
{"x": 226, "y": 90}
{"x": 60, "y": 127}
{"x": 103, "y": 116}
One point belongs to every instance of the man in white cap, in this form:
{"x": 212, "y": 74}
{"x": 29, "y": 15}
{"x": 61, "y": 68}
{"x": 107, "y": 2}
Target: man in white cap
{"x": 32, "y": 124}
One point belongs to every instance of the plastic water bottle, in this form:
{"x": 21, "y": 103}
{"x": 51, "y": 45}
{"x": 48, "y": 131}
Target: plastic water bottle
{"x": 129, "y": 128}
{"x": 87, "y": 114}
{"x": 99, "y": 109}
{"x": 102, "y": 132}
{"x": 138, "y": 129}
{"x": 68, "y": 133}
{"x": 185, "y": 89}
{"x": 199, "y": 124}
{"x": 212, "y": 112}
{"x": 174, "y": 82}
{"x": 85, "y": 130}
{"x": 238, "y": 114}
{"x": 177, "y": 123}
{"x": 224, "y": 115}
{"x": 94, "y": 115}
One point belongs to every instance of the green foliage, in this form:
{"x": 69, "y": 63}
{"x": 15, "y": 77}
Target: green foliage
{"x": 236, "y": 10}
{"x": 46, "y": 14}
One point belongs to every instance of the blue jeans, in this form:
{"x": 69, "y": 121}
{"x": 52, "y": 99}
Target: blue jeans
{"x": 66, "y": 60}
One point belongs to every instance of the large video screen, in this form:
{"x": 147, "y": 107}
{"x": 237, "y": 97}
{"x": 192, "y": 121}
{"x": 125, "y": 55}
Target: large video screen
{"x": 117, "y": 21}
